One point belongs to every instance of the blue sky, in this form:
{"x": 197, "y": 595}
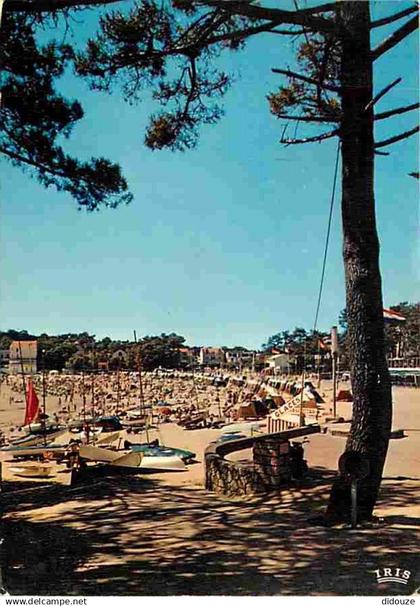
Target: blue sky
{"x": 222, "y": 244}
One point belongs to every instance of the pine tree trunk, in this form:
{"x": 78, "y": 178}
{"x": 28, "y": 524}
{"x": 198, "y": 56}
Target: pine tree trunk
{"x": 372, "y": 407}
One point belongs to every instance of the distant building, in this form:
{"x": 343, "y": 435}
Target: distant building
{"x": 23, "y": 356}
{"x": 189, "y": 356}
{"x": 212, "y": 356}
{"x": 240, "y": 358}
{"x": 281, "y": 362}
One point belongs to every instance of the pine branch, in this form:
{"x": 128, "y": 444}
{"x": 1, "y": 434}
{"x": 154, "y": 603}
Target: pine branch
{"x": 286, "y": 32}
{"x": 290, "y": 74}
{"x": 192, "y": 72}
{"x": 38, "y": 165}
{"x": 396, "y": 138}
{"x": 321, "y": 8}
{"x": 303, "y": 17}
{"x": 50, "y": 6}
{"x": 318, "y": 119}
{"x": 318, "y": 138}
{"x": 241, "y": 33}
{"x": 381, "y": 93}
{"x": 395, "y": 17}
{"x": 395, "y": 38}
{"x": 398, "y": 110}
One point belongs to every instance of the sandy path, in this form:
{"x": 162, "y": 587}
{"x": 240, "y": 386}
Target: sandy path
{"x": 141, "y": 537}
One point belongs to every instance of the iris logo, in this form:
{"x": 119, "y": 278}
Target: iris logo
{"x": 392, "y": 575}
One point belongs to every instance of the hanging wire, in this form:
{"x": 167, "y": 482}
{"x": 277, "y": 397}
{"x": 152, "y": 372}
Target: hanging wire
{"x": 324, "y": 263}
{"x": 327, "y": 239}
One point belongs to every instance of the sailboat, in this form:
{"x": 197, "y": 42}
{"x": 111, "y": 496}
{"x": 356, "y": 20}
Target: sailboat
{"x": 40, "y": 434}
{"x": 156, "y": 457}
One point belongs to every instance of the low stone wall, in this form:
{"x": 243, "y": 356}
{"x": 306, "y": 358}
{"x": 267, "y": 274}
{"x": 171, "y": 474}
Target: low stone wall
{"x": 269, "y": 470}
{"x": 232, "y": 478}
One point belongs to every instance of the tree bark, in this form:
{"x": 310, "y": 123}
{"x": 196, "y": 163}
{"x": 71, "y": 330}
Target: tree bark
{"x": 372, "y": 407}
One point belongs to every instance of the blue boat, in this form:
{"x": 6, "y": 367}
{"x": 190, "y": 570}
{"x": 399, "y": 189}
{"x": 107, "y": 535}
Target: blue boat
{"x": 154, "y": 450}
{"x": 230, "y": 436}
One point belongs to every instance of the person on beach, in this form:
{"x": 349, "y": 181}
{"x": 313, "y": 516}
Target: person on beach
{"x": 84, "y": 435}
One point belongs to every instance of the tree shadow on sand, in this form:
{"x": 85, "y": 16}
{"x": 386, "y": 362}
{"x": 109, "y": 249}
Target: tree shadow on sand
{"x": 138, "y": 536}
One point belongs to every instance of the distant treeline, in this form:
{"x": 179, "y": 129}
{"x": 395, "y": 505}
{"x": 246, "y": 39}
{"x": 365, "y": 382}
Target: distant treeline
{"x": 77, "y": 351}
{"x": 402, "y": 338}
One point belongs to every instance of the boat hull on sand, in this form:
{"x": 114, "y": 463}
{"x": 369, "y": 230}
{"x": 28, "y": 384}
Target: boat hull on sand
{"x": 31, "y": 471}
{"x": 34, "y": 451}
{"x": 101, "y": 455}
{"x": 133, "y": 460}
{"x": 242, "y": 427}
{"x": 32, "y": 440}
{"x": 158, "y": 464}
{"x": 163, "y": 451}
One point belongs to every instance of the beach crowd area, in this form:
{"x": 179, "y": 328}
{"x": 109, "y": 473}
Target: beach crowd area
{"x": 165, "y": 534}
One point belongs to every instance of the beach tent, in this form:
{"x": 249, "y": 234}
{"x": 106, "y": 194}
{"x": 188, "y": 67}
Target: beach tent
{"x": 254, "y": 408}
{"x": 344, "y": 395}
{"x": 310, "y": 393}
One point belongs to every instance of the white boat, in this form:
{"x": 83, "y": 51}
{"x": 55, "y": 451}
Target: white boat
{"x": 32, "y": 440}
{"x": 134, "y": 460}
{"x": 27, "y": 470}
{"x": 96, "y": 436}
{"x": 40, "y": 428}
{"x": 108, "y": 438}
{"x": 115, "y": 459}
{"x": 38, "y": 450}
{"x": 242, "y": 427}
{"x": 162, "y": 464}
{"x": 101, "y": 455}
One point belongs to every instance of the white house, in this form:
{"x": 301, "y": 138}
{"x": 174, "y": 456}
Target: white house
{"x": 23, "y": 356}
{"x": 281, "y": 362}
{"x": 240, "y": 358}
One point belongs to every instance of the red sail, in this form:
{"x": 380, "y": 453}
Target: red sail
{"x": 32, "y": 404}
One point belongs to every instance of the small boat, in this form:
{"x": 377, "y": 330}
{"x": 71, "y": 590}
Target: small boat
{"x": 113, "y": 458}
{"x": 155, "y": 450}
{"x": 134, "y": 423}
{"x": 230, "y": 436}
{"x": 32, "y": 440}
{"x": 131, "y": 460}
{"x": 139, "y": 414}
{"x": 159, "y": 463}
{"x": 108, "y": 438}
{"x": 29, "y": 470}
{"x": 101, "y": 455}
{"x": 37, "y": 450}
{"x": 242, "y": 427}
{"x": 76, "y": 425}
{"x": 41, "y": 429}
{"x": 108, "y": 424}
{"x": 134, "y": 460}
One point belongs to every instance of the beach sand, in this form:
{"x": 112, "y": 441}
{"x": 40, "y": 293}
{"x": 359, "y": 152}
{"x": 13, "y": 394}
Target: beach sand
{"x": 164, "y": 534}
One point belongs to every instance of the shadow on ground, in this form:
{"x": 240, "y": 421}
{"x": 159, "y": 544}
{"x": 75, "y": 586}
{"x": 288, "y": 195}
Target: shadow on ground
{"x": 138, "y": 536}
